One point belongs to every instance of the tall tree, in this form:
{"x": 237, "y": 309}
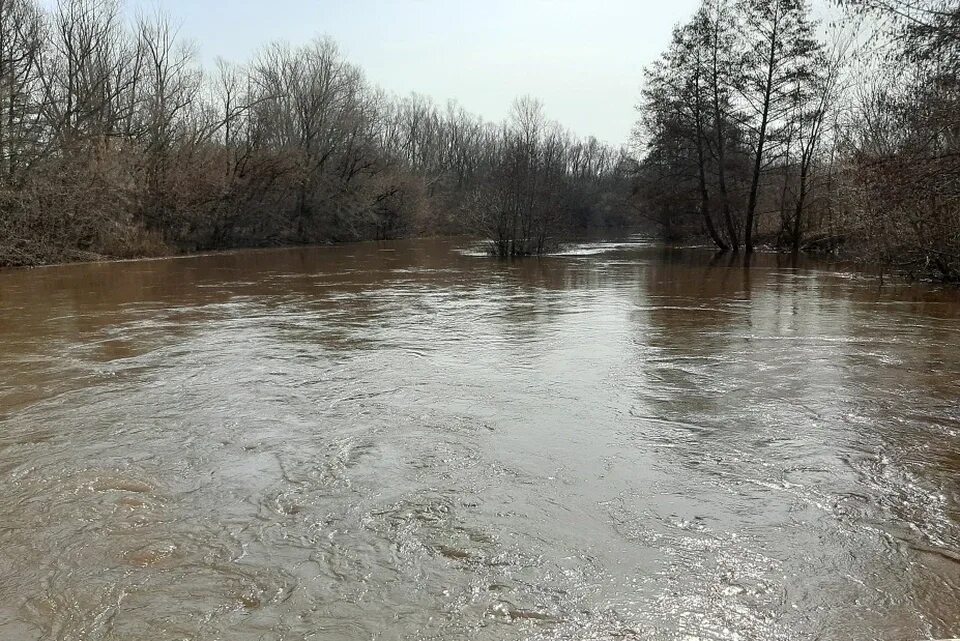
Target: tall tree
{"x": 674, "y": 113}
{"x": 718, "y": 31}
{"x": 777, "y": 59}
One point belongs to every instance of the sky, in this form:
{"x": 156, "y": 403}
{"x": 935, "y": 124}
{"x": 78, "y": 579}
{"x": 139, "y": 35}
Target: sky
{"x": 582, "y": 58}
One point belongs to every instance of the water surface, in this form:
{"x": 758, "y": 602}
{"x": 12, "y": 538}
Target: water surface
{"x": 407, "y": 441}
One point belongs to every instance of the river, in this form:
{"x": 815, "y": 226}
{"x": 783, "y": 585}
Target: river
{"x": 407, "y": 440}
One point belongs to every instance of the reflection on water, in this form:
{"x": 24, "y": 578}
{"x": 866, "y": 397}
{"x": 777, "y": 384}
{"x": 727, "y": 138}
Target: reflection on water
{"x": 407, "y": 441}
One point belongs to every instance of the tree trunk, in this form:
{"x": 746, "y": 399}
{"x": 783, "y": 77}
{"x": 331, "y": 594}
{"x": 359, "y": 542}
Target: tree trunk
{"x": 702, "y": 175}
{"x": 798, "y": 214}
{"x": 761, "y": 139}
{"x": 733, "y": 237}
{"x": 705, "y": 206}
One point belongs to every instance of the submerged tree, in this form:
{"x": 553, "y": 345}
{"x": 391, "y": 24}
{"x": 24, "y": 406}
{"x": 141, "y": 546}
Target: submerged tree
{"x": 868, "y": 158}
{"x": 717, "y": 25}
{"x": 688, "y": 126}
{"x": 522, "y": 203}
{"x": 674, "y": 128}
{"x": 778, "y": 61}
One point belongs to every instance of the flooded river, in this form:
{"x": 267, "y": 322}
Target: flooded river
{"x": 406, "y": 441}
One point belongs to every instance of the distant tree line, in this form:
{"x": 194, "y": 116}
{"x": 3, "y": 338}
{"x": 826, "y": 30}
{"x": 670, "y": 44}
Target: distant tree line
{"x": 759, "y": 126}
{"x": 114, "y": 142}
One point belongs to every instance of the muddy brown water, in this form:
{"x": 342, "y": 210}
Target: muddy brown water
{"x": 406, "y": 441}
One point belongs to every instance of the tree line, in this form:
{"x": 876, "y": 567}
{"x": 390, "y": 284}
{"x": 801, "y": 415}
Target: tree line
{"x": 115, "y": 142}
{"x": 759, "y": 126}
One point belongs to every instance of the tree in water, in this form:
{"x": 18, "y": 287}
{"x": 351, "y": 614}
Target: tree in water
{"x": 777, "y": 62}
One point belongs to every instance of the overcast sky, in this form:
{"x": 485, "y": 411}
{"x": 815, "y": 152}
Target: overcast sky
{"x": 582, "y": 58}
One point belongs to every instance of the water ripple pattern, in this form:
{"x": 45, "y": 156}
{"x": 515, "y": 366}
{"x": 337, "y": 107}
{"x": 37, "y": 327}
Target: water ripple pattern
{"x": 410, "y": 441}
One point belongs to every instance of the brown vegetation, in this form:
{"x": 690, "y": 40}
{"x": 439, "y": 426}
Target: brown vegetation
{"x": 113, "y": 142}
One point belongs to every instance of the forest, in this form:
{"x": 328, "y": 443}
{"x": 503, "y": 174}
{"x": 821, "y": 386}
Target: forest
{"x": 114, "y": 142}
{"x": 758, "y": 127}
{"x": 761, "y": 126}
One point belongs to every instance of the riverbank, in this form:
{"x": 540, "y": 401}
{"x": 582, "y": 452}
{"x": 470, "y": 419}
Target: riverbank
{"x": 134, "y": 243}
{"x": 137, "y": 244}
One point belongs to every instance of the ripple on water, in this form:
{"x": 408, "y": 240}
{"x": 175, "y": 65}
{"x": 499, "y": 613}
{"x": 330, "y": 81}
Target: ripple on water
{"x": 624, "y": 442}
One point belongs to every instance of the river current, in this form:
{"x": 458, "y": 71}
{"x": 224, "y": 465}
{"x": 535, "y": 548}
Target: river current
{"x": 411, "y": 441}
